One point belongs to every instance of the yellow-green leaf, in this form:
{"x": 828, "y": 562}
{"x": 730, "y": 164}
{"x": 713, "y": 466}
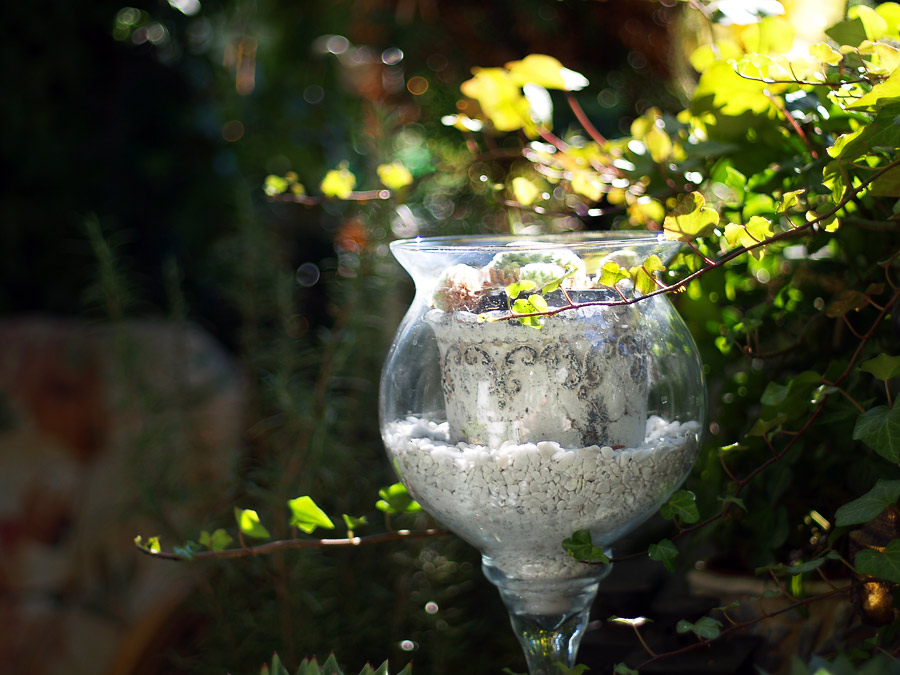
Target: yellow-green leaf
{"x": 306, "y": 515}
{"x": 588, "y": 184}
{"x": 525, "y": 192}
{"x": 275, "y": 185}
{"x": 873, "y": 23}
{"x": 500, "y": 98}
{"x": 611, "y": 274}
{"x": 545, "y": 71}
{"x": 789, "y": 200}
{"x": 825, "y": 53}
{"x": 394, "y": 176}
{"x": 338, "y": 182}
{"x": 248, "y": 522}
{"x": 690, "y": 218}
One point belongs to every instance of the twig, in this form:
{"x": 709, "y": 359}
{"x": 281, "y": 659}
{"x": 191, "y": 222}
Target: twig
{"x": 297, "y": 544}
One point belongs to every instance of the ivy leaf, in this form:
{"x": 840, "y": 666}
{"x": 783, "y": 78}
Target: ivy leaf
{"x": 394, "y": 176}
{"x": 217, "y": 541}
{"x": 789, "y": 200}
{"x": 611, "y": 274}
{"x": 338, "y": 182}
{"x": 690, "y": 218}
{"x": 525, "y": 191}
{"x": 307, "y": 515}
{"x": 622, "y": 669}
{"x": 500, "y": 97}
{"x": 354, "y": 523}
{"x": 706, "y": 628}
{"x": 879, "y": 428}
{"x": 682, "y": 504}
{"x": 825, "y": 53}
{"x": 514, "y": 289}
{"x": 538, "y": 303}
{"x": 152, "y": 545}
{"x": 187, "y": 551}
{"x": 811, "y": 565}
{"x": 846, "y": 301}
{"x": 883, "y": 367}
{"x": 395, "y": 499}
{"x": 248, "y": 522}
{"x": 642, "y": 275}
{"x": 545, "y": 71}
{"x": 883, "y": 92}
{"x": 865, "y": 508}
{"x": 665, "y": 552}
{"x": 581, "y": 547}
{"x": 881, "y": 565}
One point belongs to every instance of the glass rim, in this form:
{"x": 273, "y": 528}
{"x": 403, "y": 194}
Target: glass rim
{"x": 576, "y": 240}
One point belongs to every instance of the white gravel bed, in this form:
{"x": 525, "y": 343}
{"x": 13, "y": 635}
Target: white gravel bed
{"x": 516, "y": 503}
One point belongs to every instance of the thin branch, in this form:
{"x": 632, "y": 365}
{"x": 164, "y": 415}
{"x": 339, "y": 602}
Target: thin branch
{"x": 297, "y": 544}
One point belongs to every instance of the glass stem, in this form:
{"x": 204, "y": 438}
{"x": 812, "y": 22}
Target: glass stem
{"x": 548, "y": 616}
{"x": 550, "y": 640}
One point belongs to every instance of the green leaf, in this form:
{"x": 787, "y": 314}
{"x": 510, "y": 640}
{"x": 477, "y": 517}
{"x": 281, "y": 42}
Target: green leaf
{"x": 248, "y": 522}
{"x": 665, "y": 552}
{"x": 217, "y": 541}
{"x": 538, "y": 303}
{"x": 690, "y": 218}
{"x": 883, "y": 367}
{"x": 683, "y": 505}
{"x": 611, "y": 274}
{"x": 622, "y": 669}
{"x": 882, "y": 93}
{"x": 789, "y": 200}
{"x": 514, "y": 289}
{"x": 307, "y": 515}
{"x": 395, "y": 499}
{"x": 810, "y": 565}
{"x": 354, "y": 523}
{"x": 581, "y": 547}
{"x": 879, "y": 428}
{"x": 865, "y": 508}
{"x": 706, "y": 628}
{"x": 882, "y": 565}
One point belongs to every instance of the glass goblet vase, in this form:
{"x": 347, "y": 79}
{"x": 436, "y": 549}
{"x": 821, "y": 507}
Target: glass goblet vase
{"x": 530, "y": 392}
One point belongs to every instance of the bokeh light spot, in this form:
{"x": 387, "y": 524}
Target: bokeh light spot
{"x": 233, "y": 131}
{"x": 417, "y": 85}
{"x": 308, "y": 274}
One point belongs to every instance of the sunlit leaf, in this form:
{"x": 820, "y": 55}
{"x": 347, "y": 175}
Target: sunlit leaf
{"x": 611, "y": 274}
{"x": 275, "y": 185}
{"x": 825, "y": 53}
{"x": 547, "y": 72}
{"x": 354, "y": 522}
{"x": 789, "y": 200}
{"x": 500, "y": 97}
{"x": 306, "y": 515}
{"x": 883, "y": 92}
{"x": 873, "y": 23}
{"x": 588, "y": 184}
{"x": 690, "y": 218}
{"x": 338, "y": 182}
{"x": 395, "y": 499}
{"x": 525, "y": 191}
{"x": 879, "y": 428}
{"x": 518, "y": 287}
{"x": 248, "y": 522}
{"x": 394, "y": 176}
{"x": 870, "y": 505}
